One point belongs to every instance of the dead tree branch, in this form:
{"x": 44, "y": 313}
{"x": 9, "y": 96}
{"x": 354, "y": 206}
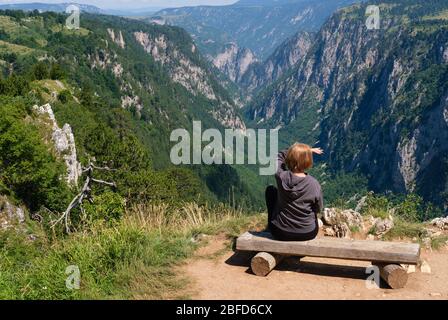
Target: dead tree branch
{"x": 84, "y": 194}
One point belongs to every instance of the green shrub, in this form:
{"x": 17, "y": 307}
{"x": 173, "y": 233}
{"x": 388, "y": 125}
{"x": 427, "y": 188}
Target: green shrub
{"x": 40, "y": 71}
{"x": 376, "y": 206}
{"x": 411, "y": 209}
{"x": 64, "y": 96}
{"x": 30, "y": 172}
{"x": 108, "y": 206}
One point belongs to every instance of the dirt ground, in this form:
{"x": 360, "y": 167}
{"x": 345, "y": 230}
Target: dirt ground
{"x": 217, "y": 273}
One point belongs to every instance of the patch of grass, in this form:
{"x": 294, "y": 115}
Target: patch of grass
{"x": 6, "y": 47}
{"x": 439, "y": 242}
{"x": 132, "y": 259}
{"x": 8, "y": 25}
{"x": 443, "y": 15}
{"x": 404, "y": 229}
{"x": 377, "y": 213}
{"x": 66, "y": 31}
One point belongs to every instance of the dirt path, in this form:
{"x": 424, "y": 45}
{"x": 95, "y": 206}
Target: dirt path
{"x": 219, "y": 274}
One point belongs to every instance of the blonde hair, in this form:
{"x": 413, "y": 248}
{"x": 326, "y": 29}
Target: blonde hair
{"x": 299, "y": 157}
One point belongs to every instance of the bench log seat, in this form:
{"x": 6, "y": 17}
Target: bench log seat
{"x": 386, "y": 255}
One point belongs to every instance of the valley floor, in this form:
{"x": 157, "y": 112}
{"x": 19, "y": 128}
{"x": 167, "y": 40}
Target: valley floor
{"x": 217, "y": 273}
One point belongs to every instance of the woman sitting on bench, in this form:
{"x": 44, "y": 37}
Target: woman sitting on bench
{"x": 293, "y": 206}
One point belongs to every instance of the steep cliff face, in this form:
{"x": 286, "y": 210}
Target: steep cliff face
{"x": 234, "y": 61}
{"x": 374, "y": 99}
{"x": 261, "y": 74}
{"x": 174, "y": 53}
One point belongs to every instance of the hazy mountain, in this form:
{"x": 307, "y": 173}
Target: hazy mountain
{"x": 54, "y": 7}
{"x": 260, "y": 26}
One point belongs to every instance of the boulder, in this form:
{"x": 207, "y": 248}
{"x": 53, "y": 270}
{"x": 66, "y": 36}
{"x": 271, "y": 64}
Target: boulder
{"x": 329, "y": 232}
{"x": 10, "y": 214}
{"x": 339, "y": 230}
{"x": 382, "y": 226}
{"x": 441, "y": 223}
{"x": 351, "y": 218}
{"x": 342, "y": 231}
{"x": 361, "y": 204}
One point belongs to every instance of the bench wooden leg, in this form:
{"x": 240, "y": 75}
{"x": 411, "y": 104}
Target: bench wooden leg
{"x": 394, "y": 275}
{"x": 264, "y": 262}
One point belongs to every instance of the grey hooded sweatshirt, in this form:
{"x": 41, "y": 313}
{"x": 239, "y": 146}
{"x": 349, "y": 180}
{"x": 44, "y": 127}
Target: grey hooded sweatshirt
{"x": 299, "y": 200}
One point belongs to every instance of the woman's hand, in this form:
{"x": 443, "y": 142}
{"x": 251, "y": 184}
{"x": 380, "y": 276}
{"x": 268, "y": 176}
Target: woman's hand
{"x": 318, "y": 151}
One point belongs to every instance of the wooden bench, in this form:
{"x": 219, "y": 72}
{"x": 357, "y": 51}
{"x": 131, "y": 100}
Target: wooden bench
{"x": 386, "y": 255}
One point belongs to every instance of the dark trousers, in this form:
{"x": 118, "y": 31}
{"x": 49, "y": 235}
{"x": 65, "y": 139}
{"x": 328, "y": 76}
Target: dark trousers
{"x": 271, "y": 196}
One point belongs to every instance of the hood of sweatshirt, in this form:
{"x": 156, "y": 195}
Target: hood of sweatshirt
{"x": 294, "y": 186}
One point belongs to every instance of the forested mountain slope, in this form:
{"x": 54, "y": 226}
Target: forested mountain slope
{"x": 122, "y": 86}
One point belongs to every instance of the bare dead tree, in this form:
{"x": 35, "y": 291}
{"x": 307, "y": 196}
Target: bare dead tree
{"x": 84, "y": 194}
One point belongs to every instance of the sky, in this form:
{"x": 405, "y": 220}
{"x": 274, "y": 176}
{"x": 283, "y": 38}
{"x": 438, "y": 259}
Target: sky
{"x": 131, "y": 3}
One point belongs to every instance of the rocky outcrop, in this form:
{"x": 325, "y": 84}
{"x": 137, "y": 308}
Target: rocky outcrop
{"x": 342, "y": 223}
{"x": 181, "y": 69}
{"x": 440, "y": 223}
{"x": 185, "y": 67}
{"x": 333, "y": 216}
{"x": 234, "y": 61}
{"x": 339, "y": 223}
{"x": 131, "y": 102}
{"x": 117, "y": 38}
{"x": 64, "y": 143}
{"x": 261, "y": 74}
{"x": 10, "y": 214}
{"x": 382, "y": 226}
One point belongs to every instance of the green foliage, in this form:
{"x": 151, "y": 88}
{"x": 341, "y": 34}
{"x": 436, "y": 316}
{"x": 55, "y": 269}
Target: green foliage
{"x": 404, "y": 229}
{"x": 28, "y": 171}
{"x": 108, "y": 206}
{"x": 40, "y": 71}
{"x": 64, "y": 96}
{"x": 56, "y": 72}
{"x": 377, "y": 206}
{"x": 340, "y": 188}
{"x": 411, "y": 208}
{"x": 14, "y": 86}
{"x": 134, "y": 258}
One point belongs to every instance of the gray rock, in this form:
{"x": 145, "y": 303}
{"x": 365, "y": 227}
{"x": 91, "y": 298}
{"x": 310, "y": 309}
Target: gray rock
{"x": 333, "y": 216}
{"x": 361, "y": 204}
{"x": 441, "y": 223}
{"x": 10, "y": 214}
{"x": 321, "y": 224}
{"x": 64, "y": 143}
{"x": 382, "y": 226}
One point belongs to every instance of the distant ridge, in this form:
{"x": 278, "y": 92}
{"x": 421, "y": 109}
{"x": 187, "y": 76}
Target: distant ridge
{"x": 55, "y": 7}
{"x": 60, "y": 7}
